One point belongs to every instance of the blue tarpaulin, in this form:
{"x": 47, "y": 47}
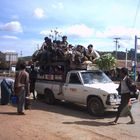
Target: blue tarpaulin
{"x": 6, "y": 91}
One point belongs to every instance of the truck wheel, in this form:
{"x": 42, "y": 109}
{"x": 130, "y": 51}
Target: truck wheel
{"x": 49, "y": 97}
{"x": 95, "y": 106}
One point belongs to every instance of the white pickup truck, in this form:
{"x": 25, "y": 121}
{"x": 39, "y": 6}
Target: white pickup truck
{"x": 92, "y": 88}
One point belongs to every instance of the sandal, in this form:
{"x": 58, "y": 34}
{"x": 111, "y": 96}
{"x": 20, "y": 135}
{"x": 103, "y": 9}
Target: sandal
{"x": 113, "y": 123}
{"x": 21, "y": 113}
{"x": 131, "y": 122}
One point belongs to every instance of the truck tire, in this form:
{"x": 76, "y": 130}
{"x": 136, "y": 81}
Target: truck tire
{"x": 95, "y": 106}
{"x": 49, "y": 97}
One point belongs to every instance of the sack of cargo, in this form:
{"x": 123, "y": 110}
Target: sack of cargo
{"x": 28, "y": 102}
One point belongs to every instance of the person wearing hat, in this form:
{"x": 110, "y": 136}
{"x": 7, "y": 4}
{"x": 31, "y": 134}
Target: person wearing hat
{"x": 46, "y": 44}
{"x": 64, "y": 43}
{"x": 124, "y": 91}
{"x": 91, "y": 54}
{"x": 79, "y": 54}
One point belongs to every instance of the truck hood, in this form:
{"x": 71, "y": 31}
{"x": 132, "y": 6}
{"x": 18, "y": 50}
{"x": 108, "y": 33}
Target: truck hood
{"x": 106, "y": 87}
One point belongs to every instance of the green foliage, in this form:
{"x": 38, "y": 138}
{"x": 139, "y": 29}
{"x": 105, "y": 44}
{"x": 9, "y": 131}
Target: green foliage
{"x": 4, "y": 65}
{"x": 106, "y": 62}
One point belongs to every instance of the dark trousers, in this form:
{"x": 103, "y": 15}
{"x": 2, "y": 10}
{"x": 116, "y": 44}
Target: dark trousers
{"x": 124, "y": 102}
{"x": 32, "y": 89}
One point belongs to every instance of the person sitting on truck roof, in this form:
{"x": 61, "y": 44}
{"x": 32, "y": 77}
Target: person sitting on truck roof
{"x": 91, "y": 54}
{"x": 64, "y": 45}
{"x": 46, "y": 51}
{"x": 79, "y": 54}
{"x": 70, "y": 53}
{"x": 64, "y": 42}
{"x": 70, "y": 48}
{"x": 59, "y": 54}
{"x": 61, "y": 49}
{"x": 47, "y": 42}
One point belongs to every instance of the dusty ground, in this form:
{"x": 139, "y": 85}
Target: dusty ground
{"x": 60, "y": 122}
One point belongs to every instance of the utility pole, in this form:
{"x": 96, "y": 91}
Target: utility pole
{"x": 37, "y": 46}
{"x": 116, "y": 44}
{"x": 21, "y": 54}
{"x": 126, "y": 58}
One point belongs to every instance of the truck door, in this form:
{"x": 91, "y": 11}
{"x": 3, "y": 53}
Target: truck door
{"x": 73, "y": 90}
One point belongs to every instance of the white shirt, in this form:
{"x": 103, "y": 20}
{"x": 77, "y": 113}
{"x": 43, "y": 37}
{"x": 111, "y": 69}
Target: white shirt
{"x": 93, "y": 54}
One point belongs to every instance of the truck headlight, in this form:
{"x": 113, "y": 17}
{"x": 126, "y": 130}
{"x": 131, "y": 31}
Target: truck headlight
{"x": 111, "y": 99}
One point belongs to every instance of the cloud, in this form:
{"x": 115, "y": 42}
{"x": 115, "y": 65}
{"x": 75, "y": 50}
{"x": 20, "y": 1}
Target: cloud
{"x": 14, "y": 17}
{"x": 9, "y": 37}
{"x": 45, "y": 32}
{"x": 102, "y": 40}
{"x": 118, "y": 31}
{"x": 125, "y": 34}
{"x": 51, "y": 33}
{"x": 13, "y": 26}
{"x": 39, "y": 13}
{"x": 5, "y": 51}
{"x": 21, "y": 46}
{"x": 58, "y": 5}
{"x": 78, "y": 30}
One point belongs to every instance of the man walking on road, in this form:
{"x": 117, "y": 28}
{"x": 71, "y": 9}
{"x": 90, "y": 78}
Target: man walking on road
{"x": 124, "y": 91}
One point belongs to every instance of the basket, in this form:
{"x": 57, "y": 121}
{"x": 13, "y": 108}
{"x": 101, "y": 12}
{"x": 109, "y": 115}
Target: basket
{"x": 28, "y": 102}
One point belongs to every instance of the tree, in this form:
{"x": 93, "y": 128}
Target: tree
{"x": 106, "y": 62}
{"x": 2, "y": 57}
{"x": 3, "y": 63}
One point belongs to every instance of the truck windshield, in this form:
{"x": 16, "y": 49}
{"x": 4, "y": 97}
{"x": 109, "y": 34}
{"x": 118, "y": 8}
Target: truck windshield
{"x": 95, "y": 77}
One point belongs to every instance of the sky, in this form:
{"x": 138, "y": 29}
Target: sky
{"x": 25, "y": 23}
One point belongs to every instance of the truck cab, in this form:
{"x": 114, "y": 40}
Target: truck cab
{"x": 92, "y": 88}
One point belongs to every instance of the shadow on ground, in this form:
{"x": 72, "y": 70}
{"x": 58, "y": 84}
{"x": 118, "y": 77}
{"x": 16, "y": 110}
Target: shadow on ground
{"x": 89, "y": 123}
{"x": 8, "y": 113}
{"x": 64, "y": 108}
{"x": 69, "y": 109}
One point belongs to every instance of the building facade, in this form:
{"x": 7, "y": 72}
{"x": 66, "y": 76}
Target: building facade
{"x": 11, "y": 58}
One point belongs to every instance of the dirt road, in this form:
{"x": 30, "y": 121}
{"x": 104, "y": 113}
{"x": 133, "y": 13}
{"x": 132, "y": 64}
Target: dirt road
{"x": 62, "y": 122}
